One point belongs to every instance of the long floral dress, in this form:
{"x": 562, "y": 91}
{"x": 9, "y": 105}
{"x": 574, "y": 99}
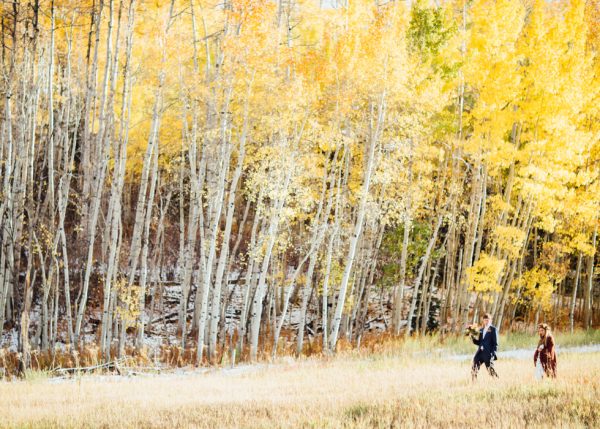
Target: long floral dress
{"x": 547, "y": 356}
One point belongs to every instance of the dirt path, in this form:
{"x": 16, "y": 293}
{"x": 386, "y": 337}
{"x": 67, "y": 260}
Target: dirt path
{"x": 525, "y": 354}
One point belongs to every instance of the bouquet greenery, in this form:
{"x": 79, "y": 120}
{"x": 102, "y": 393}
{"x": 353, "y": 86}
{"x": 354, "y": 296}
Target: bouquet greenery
{"x": 472, "y": 330}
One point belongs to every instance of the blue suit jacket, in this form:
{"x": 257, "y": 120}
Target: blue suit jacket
{"x": 489, "y": 343}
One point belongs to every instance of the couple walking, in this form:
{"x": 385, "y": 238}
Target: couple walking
{"x": 487, "y": 345}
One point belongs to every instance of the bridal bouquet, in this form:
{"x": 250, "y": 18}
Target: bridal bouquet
{"x": 472, "y": 330}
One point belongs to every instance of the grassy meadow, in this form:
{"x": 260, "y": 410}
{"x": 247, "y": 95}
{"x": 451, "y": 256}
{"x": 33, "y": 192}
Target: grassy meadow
{"x": 387, "y": 388}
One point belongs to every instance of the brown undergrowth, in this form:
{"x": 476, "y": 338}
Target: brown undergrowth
{"x": 89, "y": 357}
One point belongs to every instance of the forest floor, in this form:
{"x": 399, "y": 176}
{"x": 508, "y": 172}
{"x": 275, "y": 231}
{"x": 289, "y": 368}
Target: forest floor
{"x": 388, "y": 388}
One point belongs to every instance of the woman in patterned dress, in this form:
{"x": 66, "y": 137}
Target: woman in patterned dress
{"x": 545, "y": 351}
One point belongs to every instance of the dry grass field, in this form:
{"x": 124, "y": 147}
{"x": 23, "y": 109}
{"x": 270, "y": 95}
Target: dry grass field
{"x": 382, "y": 390}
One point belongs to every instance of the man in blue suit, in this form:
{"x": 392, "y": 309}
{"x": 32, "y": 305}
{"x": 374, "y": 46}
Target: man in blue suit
{"x": 487, "y": 345}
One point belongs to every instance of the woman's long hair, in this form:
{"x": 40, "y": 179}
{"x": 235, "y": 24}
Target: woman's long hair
{"x": 547, "y": 334}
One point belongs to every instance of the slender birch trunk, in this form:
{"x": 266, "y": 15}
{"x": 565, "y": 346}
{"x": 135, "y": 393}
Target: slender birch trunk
{"x": 574, "y": 296}
{"x": 224, "y": 251}
{"x": 359, "y": 222}
{"x": 587, "y": 310}
{"x": 99, "y": 168}
{"x": 304, "y": 306}
{"x": 399, "y": 298}
{"x": 419, "y": 278}
{"x": 257, "y": 302}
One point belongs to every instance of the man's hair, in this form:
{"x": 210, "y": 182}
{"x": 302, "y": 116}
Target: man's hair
{"x": 487, "y": 316}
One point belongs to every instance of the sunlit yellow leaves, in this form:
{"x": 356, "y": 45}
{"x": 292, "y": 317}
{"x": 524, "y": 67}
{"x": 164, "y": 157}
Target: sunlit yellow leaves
{"x": 538, "y": 285}
{"x": 497, "y": 205}
{"x": 495, "y": 106}
{"x": 491, "y": 75}
{"x": 498, "y": 153}
{"x": 553, "y": 260}
{"x": 510, "y": 240}
{"x": 581, "y": 243}
{"x": 129, "y": 296}
{"x": 484, "y": 275}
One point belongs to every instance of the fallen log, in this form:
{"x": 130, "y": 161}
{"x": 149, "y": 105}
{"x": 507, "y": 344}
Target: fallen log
{"x": 108, "y": 365}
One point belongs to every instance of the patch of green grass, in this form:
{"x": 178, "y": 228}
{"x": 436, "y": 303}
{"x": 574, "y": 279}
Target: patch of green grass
{"x": 523, "y": 340}
{"x": 357, "y": 411}
{"x": 35, "y": 375}
{"x": 578, "y": 338}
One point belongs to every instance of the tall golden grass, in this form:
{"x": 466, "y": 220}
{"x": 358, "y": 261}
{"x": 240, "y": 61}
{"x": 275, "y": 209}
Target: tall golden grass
{"x": 367, "y": 390}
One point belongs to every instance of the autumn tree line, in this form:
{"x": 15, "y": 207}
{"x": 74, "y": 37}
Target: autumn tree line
{"x": 416, "y": 164}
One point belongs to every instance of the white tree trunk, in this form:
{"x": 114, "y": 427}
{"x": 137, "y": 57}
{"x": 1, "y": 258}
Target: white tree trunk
{"x": 419, "y": 278}
{"x": 257, "y": 302}
{"x": 370, "y": 154}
